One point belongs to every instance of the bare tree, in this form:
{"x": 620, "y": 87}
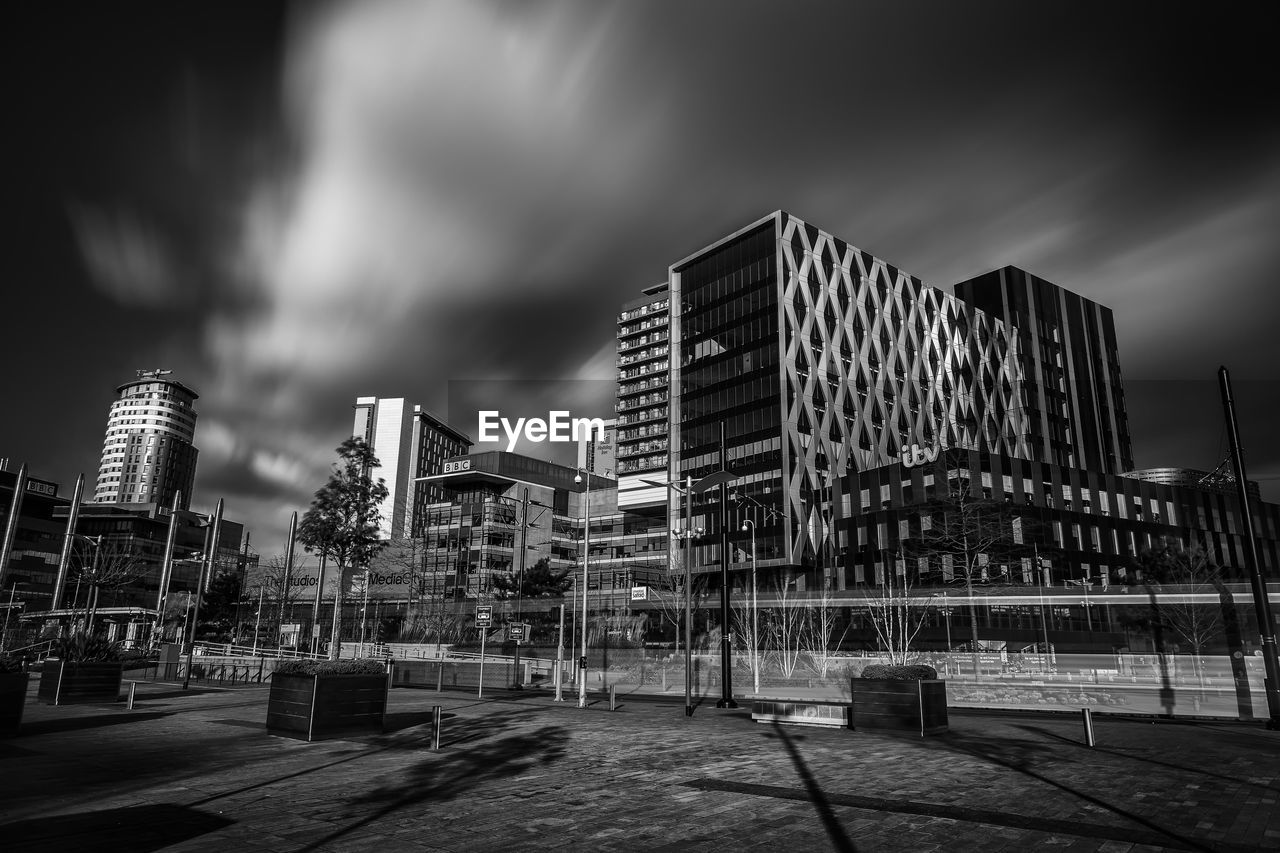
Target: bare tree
{"x": 819, "y": 638}
{"x": 282, "y": 588}
{"x": 897, "y": 614}
{"x": 113, "y": 565}
{"x": 785, "y": 626}
{"x": 1179, "y": 573}
{"x": 966, "y": 531}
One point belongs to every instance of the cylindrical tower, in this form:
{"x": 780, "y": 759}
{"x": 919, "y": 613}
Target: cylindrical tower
{"x": 148, "y": 454}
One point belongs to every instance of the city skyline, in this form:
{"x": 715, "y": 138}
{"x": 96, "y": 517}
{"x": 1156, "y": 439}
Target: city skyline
{"x": 292, "y": 208}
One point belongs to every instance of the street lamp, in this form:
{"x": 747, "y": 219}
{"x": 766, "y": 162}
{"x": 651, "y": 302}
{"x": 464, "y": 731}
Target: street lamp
{"x": 748, "y": 524}
{"x": 946, "y": 611}
{"x": 688, "y": 535}
{"x": 586, "y": 560}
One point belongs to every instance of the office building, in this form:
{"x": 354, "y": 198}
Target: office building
{"x": 148, "y": 453}
{"x": 410, "y": 443}
{"x": 598, "y": 452}
{"x": 1070, "y": 367}
{"x": 643, "y": 370}
{"x": 820, "y": 359}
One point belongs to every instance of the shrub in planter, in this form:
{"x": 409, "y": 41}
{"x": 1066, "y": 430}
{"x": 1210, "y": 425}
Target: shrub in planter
{"x": 81, "y": 669}
{"x": 900, "y": 698}
{"x": 900, "y": 672}
{"x": 13, "y": 694}
{"x": 311, "y": 699}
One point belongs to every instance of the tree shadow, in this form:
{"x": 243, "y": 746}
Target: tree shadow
{"x": 134, "y": 828}
{"x": 839, "y": 839}
{"x": 1023, "y": 756}
{"x": 71, "y": 724}
{"x": 1125, "y": 753}
{"x": 447, "y": 775}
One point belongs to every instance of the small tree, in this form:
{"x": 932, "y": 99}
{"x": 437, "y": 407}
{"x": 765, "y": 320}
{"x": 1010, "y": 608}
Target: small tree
{"x": 897, "y": 614}
{"x": 344, "y": 521}
{"x": 281, "y": 587}
{"x": 784, "y": 625}
{"x": 219, "y": 605}
{"x": 971, "y": 531}
{"x": 113, "y": 565}
{"x": 1172, "y": 569}
{"x": 539, "y": 581}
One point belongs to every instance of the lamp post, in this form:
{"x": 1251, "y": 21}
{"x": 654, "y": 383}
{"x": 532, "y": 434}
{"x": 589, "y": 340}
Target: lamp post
{"x": 586, "y": 560}
{"x": 4, "y": 635}
{"x": 748, "y": 524}
{"x": 215, "y": 525}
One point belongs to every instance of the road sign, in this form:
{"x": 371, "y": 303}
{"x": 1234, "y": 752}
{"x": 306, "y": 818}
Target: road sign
{"x": 516, "y": 632}
{"x": 484, "y": 615}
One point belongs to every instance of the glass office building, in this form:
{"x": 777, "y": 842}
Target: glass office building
{"x": 820, "y": 359}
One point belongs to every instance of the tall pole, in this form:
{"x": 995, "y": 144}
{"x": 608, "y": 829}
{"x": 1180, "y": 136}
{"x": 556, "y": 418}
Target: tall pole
{"x": 257, "y": 621}
{"x": 64, "y": 561}
{"x": 206, "y": 568}
{"x": 586, "y": 561}
{"x": 524, "y": 547}
{"x": 315, "y": 607}
{"x": 4, "y": 635}
{"x": 11, "y": 524}
{"x": 288, "y": 573}
{"x": 726, "y": 638}
{"x": 1266, "y": 625}
{"x": 560, "y": 659}
{"x": 93, "y": 589}
{"x": 688, "y": 595}
{"x": 166, "y": 567}
{"x": 364, "y": 612}
{"x": 755, "y": 624}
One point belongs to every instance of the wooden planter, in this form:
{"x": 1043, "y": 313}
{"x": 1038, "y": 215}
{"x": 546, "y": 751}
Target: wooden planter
{"x": 314, "y": 707}
{"x": 919, "y": 707}
{"x": 13, "y": 695}
{"x": 64, "y": 682}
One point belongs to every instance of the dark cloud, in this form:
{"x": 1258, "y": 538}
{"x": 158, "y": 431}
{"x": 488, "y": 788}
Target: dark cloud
{"x": 381, "y": 198}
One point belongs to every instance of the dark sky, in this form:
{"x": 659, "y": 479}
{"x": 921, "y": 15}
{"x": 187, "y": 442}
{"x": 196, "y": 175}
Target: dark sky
{"x": 292, "y": 207}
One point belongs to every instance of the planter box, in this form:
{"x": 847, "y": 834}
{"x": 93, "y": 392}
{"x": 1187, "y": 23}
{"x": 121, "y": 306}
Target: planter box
{"x": 313, "y": 707}
{"x": 68, "y": 682}
{"x": 800, "y": 713}
{"x": 919, "y": 707}
{"x": 13, "y": 696}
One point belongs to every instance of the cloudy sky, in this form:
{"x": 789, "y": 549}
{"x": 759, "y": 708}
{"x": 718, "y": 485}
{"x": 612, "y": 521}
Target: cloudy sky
{"x": 290, "y": 207}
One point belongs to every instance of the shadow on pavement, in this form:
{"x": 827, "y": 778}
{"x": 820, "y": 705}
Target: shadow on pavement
{"x": 839, "y": 839}
{"x": 1128, "y": 753}
{"x": 453, "y": 772}
{"x": 409, "y": 719}
{"x": 1025, "y": 756}
{"x": 136, "y": 828}
{"x": 71, "y": 724}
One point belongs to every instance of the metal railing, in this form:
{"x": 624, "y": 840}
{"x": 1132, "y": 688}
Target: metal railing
{"x": 231, "y": 650}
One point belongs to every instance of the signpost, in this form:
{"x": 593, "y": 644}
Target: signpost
{"x": 484, "y": 618}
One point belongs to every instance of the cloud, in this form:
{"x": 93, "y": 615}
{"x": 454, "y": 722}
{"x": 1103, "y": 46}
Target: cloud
{"x": 125, "y": 256}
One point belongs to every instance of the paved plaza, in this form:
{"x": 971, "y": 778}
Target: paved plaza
{"x": 197, "y": 770}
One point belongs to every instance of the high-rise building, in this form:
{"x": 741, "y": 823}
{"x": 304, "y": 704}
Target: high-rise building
{"x": 820, "y": 359}
{"x": 1070, "y": 366}
{"x": 410, "y": 443}
{"x": 643, "y": 368}
{"x": 598, "y": 451}
{"x": 148, "y": 452}
{"x": 433, "y": 442}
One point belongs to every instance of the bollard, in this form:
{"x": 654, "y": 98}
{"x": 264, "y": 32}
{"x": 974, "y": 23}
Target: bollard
{"x": 1088, "y": 726}
{"x": 440, "y": 676}
{"x": 435, "y": 728}
{"x": 613, "y": 699}
{"x": 133, "y": 689}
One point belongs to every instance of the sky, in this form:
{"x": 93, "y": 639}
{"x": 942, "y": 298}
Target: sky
{"x": 293, "y": 206}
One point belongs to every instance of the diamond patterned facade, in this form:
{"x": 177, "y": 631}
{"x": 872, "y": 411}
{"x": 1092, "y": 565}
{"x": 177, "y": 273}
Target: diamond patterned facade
{"x": 822, "y": 360}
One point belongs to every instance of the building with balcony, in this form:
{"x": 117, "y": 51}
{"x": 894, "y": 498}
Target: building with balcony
{"x": 148, "y": 454}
